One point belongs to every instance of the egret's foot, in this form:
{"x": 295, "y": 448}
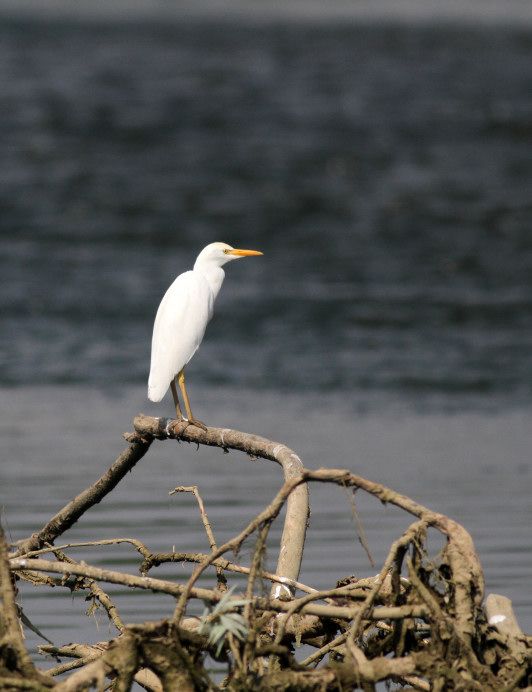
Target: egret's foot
{"x": 197, "y": 423}
{"x": 178, "y": 426}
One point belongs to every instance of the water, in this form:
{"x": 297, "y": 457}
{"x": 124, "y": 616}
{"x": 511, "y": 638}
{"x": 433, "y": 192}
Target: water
{"x": 385, "y": 172}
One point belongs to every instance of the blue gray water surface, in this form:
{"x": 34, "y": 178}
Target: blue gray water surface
{"x": 385, "y": 172}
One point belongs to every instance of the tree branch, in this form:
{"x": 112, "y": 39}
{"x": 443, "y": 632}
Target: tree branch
{"x": 297, "y": 510}
{"x": 95, "y": 493}
{"x": 14, "y": 659}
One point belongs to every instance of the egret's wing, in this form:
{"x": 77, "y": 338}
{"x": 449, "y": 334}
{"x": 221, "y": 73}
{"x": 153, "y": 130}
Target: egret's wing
{"x": 180, "y": 323}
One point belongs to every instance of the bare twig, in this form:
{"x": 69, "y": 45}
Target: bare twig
{"x": 222, "y": 582}
{"x": 298, "y": 605}
{"x": 119, "y": 660}
{"x": 204, "y": 518}
{"x": 86, "y": 653}
{"x": 330, "y": 646}
{"x": 13, "y": 654}
{"x": 360, "y": 528}
{"x": 297, "y": 511}
{"x": 249, "y": 609}
{"x": 427, "y": 631}
{"x": 155, "y": 559}
{"x": 160, "y": 558}
{"x": 210, "y": 595}
{"x": 142, "y": 549}
{"x": 398, "y": 545}
{"x": 97, "y": 592}
{"x": 464, "y": 562}
{"x": 266, "y": 515}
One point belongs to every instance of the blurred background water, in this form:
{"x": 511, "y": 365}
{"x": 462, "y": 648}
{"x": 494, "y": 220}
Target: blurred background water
{"x": 385, "y": 171}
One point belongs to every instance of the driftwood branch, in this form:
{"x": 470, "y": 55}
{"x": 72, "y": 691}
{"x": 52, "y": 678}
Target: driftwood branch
{"x": 297, "y": 511}
{"x": 15, "y": 663}
{"x": 24, "y": 566}
{"x": 81, "y": 654}
{"x": 419, "y": 622}
{"x": 155, "y": 559}
{"x": 95, "y": 493}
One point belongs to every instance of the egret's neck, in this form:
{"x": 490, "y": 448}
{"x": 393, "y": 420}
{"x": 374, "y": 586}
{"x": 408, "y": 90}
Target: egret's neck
{"x": 213, "y": 273}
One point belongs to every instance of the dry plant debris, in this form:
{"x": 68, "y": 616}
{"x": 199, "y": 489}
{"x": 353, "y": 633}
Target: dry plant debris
{"x": 420, "y": 624}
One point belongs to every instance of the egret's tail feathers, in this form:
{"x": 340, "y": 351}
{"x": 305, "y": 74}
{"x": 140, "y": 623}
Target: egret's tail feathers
{"x": 156, "y": 392}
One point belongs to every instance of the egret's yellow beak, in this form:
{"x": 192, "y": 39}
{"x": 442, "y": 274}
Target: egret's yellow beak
{"x": 244, "y": 253}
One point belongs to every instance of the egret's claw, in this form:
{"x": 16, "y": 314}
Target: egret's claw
{"x": 197, "y": 423}
{"x": 178, "y": 426}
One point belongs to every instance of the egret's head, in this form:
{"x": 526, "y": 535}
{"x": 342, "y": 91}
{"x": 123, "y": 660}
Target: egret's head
{"x": 221, "y": 253}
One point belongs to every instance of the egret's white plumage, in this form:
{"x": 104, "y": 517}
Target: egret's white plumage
{"x": 182, "y": 318}
{"x": 179, "y": 327}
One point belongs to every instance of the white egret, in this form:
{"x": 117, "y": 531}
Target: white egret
{"x": 181, "y": 320}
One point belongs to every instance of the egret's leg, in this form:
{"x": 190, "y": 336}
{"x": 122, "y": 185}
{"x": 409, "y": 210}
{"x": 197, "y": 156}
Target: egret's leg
{"x": 178, "y": 412}
{"x": 182, "y": 387}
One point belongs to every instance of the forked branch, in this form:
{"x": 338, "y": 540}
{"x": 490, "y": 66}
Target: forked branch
{"x": 419, "y": 621}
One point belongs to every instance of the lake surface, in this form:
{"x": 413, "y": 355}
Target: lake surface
{"x": 385, "y": 171}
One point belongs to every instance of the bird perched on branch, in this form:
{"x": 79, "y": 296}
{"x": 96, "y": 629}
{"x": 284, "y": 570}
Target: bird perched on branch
{"x": 181, "y": 320}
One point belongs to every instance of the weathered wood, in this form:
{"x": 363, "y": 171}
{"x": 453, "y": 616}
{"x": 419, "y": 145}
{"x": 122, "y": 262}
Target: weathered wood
{"x": 418, "y": 622}
{"x": 14, "y": 659}
{"x": 511, "y": 644}
{"x": 209, "y": 595}
{"x": 297, "y": 508}
{"x": 71, "y": 512}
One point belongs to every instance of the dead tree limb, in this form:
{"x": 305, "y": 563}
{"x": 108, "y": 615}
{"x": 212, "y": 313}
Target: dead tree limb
{"x": 95, "y": 493}
{"x": 209, "y": 595}
{"x": 424, "y": 628}
{"x": 297, "y": 510}
{"x": 467, "y": 571}
{"x": 120, "y": 660}
{"x": 510, "y": 652}
{"x": 15, "y": 662}
{"x": 155, "y": 559}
